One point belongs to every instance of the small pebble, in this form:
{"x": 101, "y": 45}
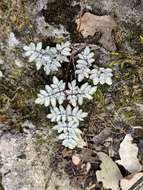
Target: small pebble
{"x": 75, "y": 159}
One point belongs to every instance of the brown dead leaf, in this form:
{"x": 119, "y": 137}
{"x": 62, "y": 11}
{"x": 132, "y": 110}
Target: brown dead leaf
{"x": 128, "y": 153}
{"x": 127, "y": 182}
{"x": 109, "y": 174}
{"x": 89, "y": 24}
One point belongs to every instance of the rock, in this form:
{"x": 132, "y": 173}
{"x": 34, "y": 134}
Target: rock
{"x": 60, "y": 183}
{"x": 126, "y": 11}
{"x": 39, "y": 5}
{"x": 128, "y": 15}
{"x": 41, "y": 26}
{"x": 90, "y": 24}
{"x": 46, "y": 30}
{"x": 76, "y": 159}
{"x": 25, "y": 168}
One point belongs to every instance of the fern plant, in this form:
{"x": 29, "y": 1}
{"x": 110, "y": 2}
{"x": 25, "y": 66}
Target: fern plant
{"x": 64, "y": 97}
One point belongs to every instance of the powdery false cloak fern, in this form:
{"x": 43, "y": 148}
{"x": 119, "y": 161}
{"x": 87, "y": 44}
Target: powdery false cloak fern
{"x": 64, "y": 98}
{"x": 77, "y": 94}
{"x": 85, "y": 60}
{"x": 101, "y": 75}
{"x": 52, "y": 94}
{"x": 50, "y": 58}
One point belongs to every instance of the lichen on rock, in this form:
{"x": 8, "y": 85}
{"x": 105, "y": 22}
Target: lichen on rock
{"x": 24, "y": 167}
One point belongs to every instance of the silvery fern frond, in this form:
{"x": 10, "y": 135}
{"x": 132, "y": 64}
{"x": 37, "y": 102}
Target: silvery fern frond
{"x": 82, "y": 72}
{"x": 71, "y": 140}
{"x": 32, "y": 51}
{"x": 86, "y": 91}
{"x": 49, "y": 58}
{"x": 101, "y": 75}
{"x": 58, "y": 55}
{"x": 53, "y": 93}
{"x": 71, "y": 136}
{"x": 66, "y": 114}
{"x": 86, "y": 58}
{"x": 105, "y": 76}
{"x": 95, "y": 75}
{"x": 37, "y": 54}
{"x": 76, "y": 115}
{"x": 64, "y": 49}
{"x": 52, "y": 64}
{"x": 77, "y": 94}
{"x": 64, "y": 126}
{"x": 72, "y": 92}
